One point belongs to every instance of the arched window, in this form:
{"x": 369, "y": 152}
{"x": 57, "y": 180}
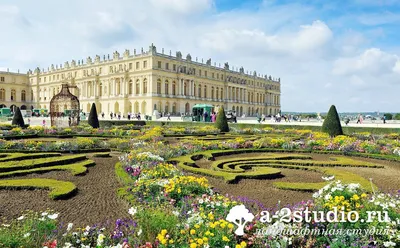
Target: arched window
{"x": 118, "y": 92}
{"x": 130, "y": 89}
{"x": 23, "y": 95}
{"x": 166, "y": 87}
{"x": 173, "y": 88}
{"x": 13, "y": 95}
{"x": 137, "y": 90}
{"x": 159, "y": 86}
{"x": 2, "y": 95}
{"x": 145, "y": 86}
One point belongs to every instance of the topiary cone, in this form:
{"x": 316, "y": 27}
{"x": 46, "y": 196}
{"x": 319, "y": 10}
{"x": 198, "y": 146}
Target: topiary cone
{"x": 18, "y": 120}
{"x": 93, "y": 120}
{"x": 222, "y": 123}
{"x": 331, "y": 123}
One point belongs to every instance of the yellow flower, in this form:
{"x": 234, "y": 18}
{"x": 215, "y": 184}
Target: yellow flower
{"x": 356, "y": 197}
{"x": 363, "y": 195}
{"x": 197, "y": 226}
{"x": 193, "y": 245}
{"x": 230, "y": 226}
{"x": 205, "y": 239}
{"x": 183, "y": 231}
{"x": 243, "y": 244}
{"x": 225, "y": 238}
{"x": 163, "y": 232}
{"x": 171, "y": 241}
{"x": 200, "y": 241}
{"x": 192, "y": 231}
{"x": 238, "y": 246}
{"x": 164, "y": 241}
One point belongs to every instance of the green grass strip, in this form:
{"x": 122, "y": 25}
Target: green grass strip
{"x": 344, "y": 176}
{"x": 23, "y": 156}
{"x": 76, "y": 169}
{"x": 58, "y": 189}
{"x": 102, "y": 155}
{"x": 43, "y": 162}
{"x": 121, "y": 174}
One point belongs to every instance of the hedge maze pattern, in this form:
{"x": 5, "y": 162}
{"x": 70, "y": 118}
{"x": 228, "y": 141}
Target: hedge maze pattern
{"x": 19, "y": 164}
{"x": 269, "y": 164}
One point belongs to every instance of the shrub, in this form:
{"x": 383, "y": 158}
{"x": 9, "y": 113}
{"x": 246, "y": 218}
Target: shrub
{"x": 18, "y": 120}
{"x": 397, "y": 116}
{"x": 221, "y": 122}
{"x": 332, "y": 124}
{"x": 388, "y": 116}
{"x": 93, "y": 120}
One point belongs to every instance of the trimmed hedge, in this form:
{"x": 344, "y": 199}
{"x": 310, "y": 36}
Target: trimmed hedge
{"x": 102, "y": 155}
{"x": 22, "y": 156}
{"x": 331, "y": 123}
{"x": 58, "y": 189}
{"x": 76, "y": 169}
{"x": 110, "y": 123}
{"x": 43, "y": 162}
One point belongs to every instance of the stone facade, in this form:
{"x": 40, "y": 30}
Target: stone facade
{"x": 147, "y": 81}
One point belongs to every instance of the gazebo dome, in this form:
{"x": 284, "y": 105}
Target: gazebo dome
{"x": 64, "y": 108}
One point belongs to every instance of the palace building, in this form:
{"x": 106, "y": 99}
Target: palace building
{"x": 143, "y": 82}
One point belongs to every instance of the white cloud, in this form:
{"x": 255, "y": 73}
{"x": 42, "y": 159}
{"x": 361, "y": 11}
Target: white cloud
{"x": 373, "y": 61}
{"x": 319, "y": 65}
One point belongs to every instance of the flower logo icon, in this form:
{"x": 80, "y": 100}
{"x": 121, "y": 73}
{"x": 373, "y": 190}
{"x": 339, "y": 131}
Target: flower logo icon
{"x": 239, "y": 215}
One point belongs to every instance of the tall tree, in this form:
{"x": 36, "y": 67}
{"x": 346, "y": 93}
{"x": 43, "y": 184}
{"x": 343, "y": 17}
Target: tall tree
{"x": 93, "y": 120}
{"x": 222, "y": 123}
{"x": 18, "y": 120}
{"x": 331, "y": 123}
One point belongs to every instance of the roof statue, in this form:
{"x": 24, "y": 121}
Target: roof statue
{"x": 226, "y": 66}
{"x": 208, "y": 62}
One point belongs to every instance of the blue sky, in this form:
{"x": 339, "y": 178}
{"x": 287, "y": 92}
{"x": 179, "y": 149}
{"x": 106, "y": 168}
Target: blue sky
{"x": 326, "y": 52}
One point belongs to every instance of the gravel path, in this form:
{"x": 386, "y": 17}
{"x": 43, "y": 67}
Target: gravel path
{"x": 95, "y": 202}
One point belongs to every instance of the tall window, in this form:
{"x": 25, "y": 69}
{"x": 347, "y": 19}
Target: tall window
{"x": 32, "y": 95}
{"x": 145, "y": 86}
{"x": 158, "y": 86}
{"x": 13, "y": 95}
{"x": 217, "y": 93}
{"x": 199, "y": 90}
{"x": 166, "y": 87}
{"x": 173, "y": 88}
{"x": 130, "y": 90}
{"x": 205, "y": 91}
{"x": 212, "y": 92}
{"x": 167, "y": 66}
{"x": 159, "y": 64}
{"x": 23, "y": 95}
{"x": 2, "y": 79}
{"x": 2, "y": 95}
{"x": 137, "y": 65}
{"x": 144, "y": 64}
{"x": 137, "y": 91}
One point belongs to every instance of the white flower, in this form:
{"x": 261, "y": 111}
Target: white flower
{"x": 21, "y": 217}
{"x": 315, "y": 195}
{"x": 327, "y": 196}
{"x": 100, "y": 239}
{"x": 328, "y": 178}
{"x": 69, "y": 227}
{"x": 201, "y": 201}
{"x": 27, "y": 235}
{"x": 139, "y": 232}
{"x": 176, "y": 213}
{"x": 5, "y": 225}
{"x": 389, "y": 244}
{"x": 87, "y": 228}
{"x": 67, "y": 245}
{"x": 44, "y": 214}
{"x": 52, "y": 216}
{"x": 132, "y": 211}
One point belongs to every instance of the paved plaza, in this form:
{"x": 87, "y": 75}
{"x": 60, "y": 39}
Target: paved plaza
{"x": 249, "y": 120}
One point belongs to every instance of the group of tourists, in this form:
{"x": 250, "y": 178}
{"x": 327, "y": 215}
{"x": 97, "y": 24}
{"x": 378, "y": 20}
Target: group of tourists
{"x": 129, "y": 116}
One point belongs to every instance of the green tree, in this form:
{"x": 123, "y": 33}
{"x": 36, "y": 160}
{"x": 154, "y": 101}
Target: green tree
{"x": 388, "y": 116}
{"x": 331, "y": 123}
{"x": 93, "y": 120}
{"x": 397, "y": 116}
{"x": 18, "y": 120}
{"x": 222, "y": 123}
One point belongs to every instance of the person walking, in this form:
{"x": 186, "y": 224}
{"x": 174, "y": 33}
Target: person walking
{"x": 168, "y": 116}
{"x": 213, "y": 117}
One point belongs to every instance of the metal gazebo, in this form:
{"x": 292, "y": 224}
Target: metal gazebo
{"x": 64, "y": 108}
